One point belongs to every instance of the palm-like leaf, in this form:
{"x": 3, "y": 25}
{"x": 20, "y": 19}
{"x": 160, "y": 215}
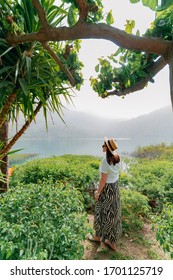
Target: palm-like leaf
{"x": 26, "y": 69}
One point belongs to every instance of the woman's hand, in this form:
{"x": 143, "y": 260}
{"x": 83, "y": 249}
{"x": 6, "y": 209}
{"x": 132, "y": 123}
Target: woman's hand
{"x": 97, "y": 195}
{"x": 102, "y": 182}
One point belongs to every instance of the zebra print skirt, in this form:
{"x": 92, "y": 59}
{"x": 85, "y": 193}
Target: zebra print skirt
{"x": 107, "y": 216}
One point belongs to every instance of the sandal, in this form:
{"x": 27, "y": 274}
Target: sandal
{"x": 111, "y": 245}
{"x": 94, "y": 238}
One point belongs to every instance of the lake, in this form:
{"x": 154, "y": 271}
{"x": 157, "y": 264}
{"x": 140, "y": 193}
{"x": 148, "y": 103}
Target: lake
{"x": 46, "y": 147}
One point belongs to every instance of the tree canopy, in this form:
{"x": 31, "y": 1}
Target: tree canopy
{"x": 138, "y": 59}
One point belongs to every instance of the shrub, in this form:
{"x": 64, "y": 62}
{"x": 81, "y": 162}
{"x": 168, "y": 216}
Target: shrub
{"x": 135, "y": 210}
{"x": 164, "y": 232}
{"x": 160, "y": 151}
{"x": 80, "y": 171}
{"x": 153, "y": 179}
{"x": 42, "y": 221}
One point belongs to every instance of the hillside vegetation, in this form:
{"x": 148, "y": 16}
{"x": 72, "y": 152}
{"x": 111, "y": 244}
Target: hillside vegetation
{"x": 47, "y": 212}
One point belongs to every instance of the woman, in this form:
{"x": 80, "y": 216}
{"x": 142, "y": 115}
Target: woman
{"x": 107, "y": 217}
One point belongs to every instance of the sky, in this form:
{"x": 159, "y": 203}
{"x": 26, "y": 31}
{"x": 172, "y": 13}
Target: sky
{"x": 151, "y": 98}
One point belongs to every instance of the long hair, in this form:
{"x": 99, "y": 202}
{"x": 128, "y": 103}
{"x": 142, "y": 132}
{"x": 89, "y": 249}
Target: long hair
{"x": 112, "y": 159}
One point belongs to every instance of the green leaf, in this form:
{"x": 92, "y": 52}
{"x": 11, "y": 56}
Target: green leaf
{"x": 138, "y": 33}
{"x": 164, "y": 5}
{"x": 130, "y": 24}
{"x": 9, "y": 49}
{"x": 5, "y": 69}
{"x": 14, "y": 151}
{"x": 4, "y": 84}
{"x": 28, "y": 67}
{"x": 97, "y": 68}
{"x": 3, "y": 42}
{"x": 152, "y": 4}
{"x": 71, "y": 16}
{"x": 23, "y": 86}
{"x": 134, "y": 1}
{"x": 109, "y": 18}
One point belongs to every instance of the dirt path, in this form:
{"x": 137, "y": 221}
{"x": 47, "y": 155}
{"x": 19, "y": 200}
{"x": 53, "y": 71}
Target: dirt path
{"x": 142, "y": 246}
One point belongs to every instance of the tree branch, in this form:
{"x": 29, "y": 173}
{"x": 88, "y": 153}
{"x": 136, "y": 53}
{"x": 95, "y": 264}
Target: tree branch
{"x": 153, "y": 70}
{"x": 7, "y": 107}
{"x": 41, "y": 14}
{"x": 58, "y": 61}
{"x": 83, "y": 9}
{"x": 84, "y": 30}
{"x": 7, "y": 148}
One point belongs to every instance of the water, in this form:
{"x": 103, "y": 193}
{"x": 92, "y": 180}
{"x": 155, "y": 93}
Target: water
{"x": 80, "y": 146}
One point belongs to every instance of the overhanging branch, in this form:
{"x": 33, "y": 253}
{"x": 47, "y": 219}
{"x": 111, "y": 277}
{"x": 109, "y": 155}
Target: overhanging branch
{"x": 61, "y": 65}
{"x": 153, "y": 70}
{"x": 84, "y": 30}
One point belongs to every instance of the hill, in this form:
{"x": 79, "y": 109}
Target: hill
{"x": 152, "y": 128}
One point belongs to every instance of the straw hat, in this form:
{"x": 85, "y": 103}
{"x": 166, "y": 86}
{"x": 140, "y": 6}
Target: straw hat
{"x": 111, "y": 144}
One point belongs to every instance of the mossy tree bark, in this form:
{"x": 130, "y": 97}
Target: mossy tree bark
{"x": 4, "y": 164}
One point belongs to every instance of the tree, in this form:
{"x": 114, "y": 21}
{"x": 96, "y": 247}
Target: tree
{"x": 137, "y": 61}
{"x": 30, "y": 80}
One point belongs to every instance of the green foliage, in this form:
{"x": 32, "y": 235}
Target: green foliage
{"x": 135, "y": 210}
{"x": 126, "y": 68}
{"x": 72, "y": 62}
{"x": 79, "y": 171}
{"x": 109, "y": 18}
{"x": 162, "y": 26}
{"x": 164, "y": 228}
{"x": 27, "y": 69}
{"x": 153, "y": 179}
{"x": 42, "y": 221}
{"x": 130, "y": 24}
{"x": 63, "y": 184}
{"x": 154, "y": 4}
{"x": 131, "y": 66}
{"x": 160, "y": 151}
{"x": 151, "y": 174}
{"x": 95, "y": 11}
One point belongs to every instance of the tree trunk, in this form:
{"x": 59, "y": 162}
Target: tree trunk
{"x": 6, "y": 108}
{"x": 9, "y": 145}
{"x": 4, "y": 164}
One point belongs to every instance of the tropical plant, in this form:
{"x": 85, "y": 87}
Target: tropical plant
{"x": 29, "y": 78}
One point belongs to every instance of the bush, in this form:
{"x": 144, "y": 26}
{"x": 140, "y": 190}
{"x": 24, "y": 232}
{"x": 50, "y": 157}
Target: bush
{"x": 42, "y": 221}
{"x": 164, "y": 232}
{"x": 160, "y": 151}
{"x": 153, "y": 179}
{"x": 80, "y": 171}
{"x": 135, "y": 210}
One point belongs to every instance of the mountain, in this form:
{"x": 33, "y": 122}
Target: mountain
{"x": 152, "y": 128}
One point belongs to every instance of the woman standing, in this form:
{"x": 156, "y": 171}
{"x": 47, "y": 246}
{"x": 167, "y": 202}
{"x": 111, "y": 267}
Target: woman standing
{"x": 107, "y": 217}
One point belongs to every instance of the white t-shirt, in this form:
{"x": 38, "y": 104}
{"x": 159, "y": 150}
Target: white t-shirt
{"x": 111, "y": 170}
